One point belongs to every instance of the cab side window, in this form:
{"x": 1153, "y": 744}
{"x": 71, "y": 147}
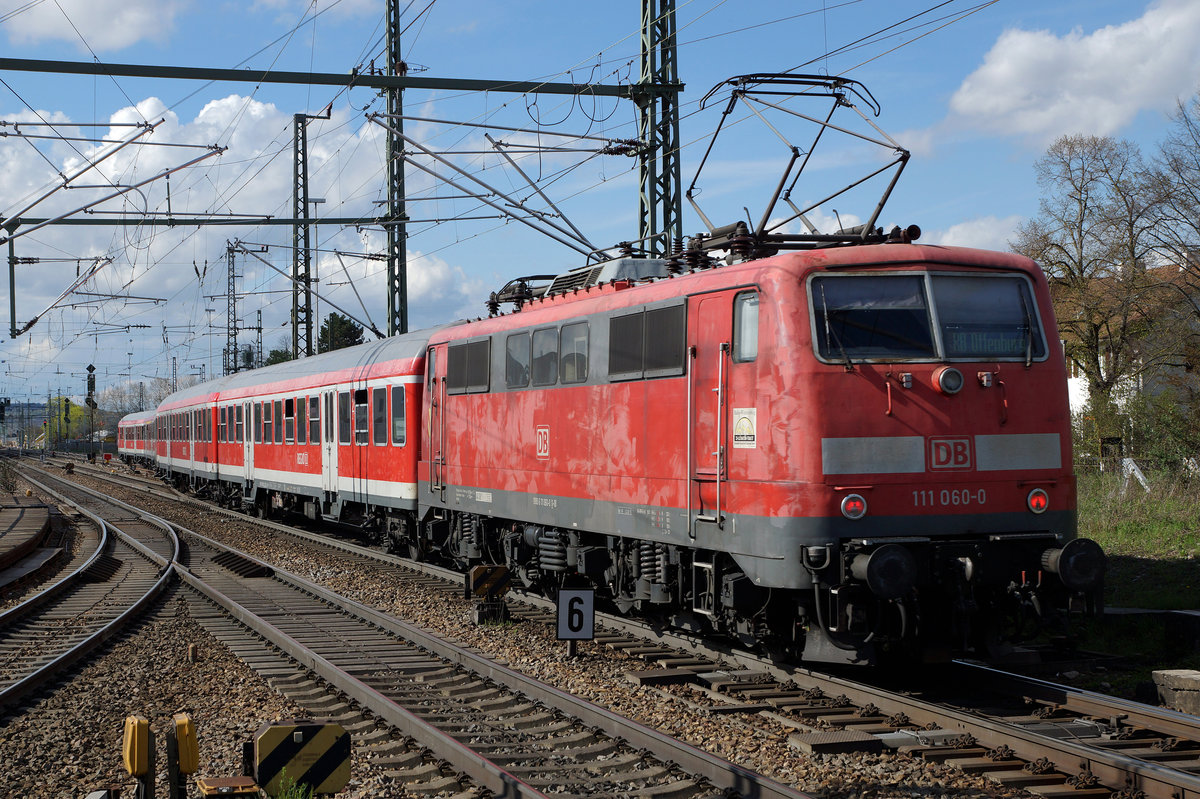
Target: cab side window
{"x": 745, "y": 326}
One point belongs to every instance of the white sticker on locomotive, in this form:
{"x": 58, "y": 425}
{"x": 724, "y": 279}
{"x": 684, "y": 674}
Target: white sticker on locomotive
{"x": 483, "y": 496}
{"x": 745, "y": 428}
{"x": 543, "y": 442}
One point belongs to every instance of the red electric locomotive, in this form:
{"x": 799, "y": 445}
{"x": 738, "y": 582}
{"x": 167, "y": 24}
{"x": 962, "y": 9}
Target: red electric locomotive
{"x": 841, "y": 452}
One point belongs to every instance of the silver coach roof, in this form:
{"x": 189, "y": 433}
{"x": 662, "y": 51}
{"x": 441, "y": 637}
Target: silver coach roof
{"x": 407, "y": 345}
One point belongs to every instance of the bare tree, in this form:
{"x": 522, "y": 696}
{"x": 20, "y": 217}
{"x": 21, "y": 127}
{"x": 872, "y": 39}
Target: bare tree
{"x": 1177, "y": 170}
{"x": 1094, "y": 236}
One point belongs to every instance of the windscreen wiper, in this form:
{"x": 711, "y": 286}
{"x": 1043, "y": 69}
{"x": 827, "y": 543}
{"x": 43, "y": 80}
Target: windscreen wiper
{"x": 829, "y": 331}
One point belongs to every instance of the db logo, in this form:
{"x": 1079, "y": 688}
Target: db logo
{"x": 543, "y": 443}
{"x": 949, "y": 453}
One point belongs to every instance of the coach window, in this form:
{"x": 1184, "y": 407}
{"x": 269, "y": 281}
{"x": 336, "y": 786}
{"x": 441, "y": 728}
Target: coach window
{"x": 745, "y": 326}
{"x": 314, "y": 420}
{"x": 221, "y": 424}
{"x": 239, "y": 424}
{"x": 545, "y": 356}
{"x": 289, "y": 420}
{"x": 573, "y": 353}
{"x": 301, "y": 423}
{"x": 516, "y": 360}
{"x": 398, "y": 428}
{"x": 360, "y": 416}
{"x": 278, "y": 421}
{"x": 379, "y": 419}
{"x": 344, "y": 417}
{"x": 270, "y": 420}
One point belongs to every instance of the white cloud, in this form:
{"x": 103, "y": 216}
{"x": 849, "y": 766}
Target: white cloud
{"x": 986, "y": 233}
{"x": 105, "y": 25}
{"x": 1041, "y": 85}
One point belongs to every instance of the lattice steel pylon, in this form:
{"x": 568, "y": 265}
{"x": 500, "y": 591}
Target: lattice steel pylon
{"x": 397, "y": 232}
{"x": 660, "y": 204}
{"x": 230, "y": 363}
{"x": 302, "y": 322}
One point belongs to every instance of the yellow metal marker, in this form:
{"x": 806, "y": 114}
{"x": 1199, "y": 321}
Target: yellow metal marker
{"x": 135, "y": 746}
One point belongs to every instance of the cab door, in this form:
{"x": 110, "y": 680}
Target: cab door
{"x": 724, "y": 408}
{"x": 710, "y": 323}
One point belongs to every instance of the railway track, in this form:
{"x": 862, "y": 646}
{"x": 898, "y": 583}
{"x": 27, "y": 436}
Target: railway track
{"x": 502, "y": 730}
{"x": 118, "y": 573}
{"x": 1022, "y": 732}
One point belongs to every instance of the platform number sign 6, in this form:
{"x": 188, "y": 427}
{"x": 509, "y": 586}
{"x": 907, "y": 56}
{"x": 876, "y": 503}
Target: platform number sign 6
{"x": 576, "y": 614}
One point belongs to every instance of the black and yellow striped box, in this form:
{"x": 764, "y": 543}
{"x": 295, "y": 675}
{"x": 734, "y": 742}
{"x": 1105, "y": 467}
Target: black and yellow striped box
{"x": 311, "y": 753}
{"x": 487, "y": 582}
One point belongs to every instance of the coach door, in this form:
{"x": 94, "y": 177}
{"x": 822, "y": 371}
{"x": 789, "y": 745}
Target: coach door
{"x": 435, "y": 390}
{"x": 247, "y": 438}
{"x": 710, "y": 323}
{"x": 329, "y": 450}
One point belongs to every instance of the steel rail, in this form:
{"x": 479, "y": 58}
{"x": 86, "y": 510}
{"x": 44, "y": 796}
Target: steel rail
{"x": 1112, "y": 768}
{"x": 721, "y": 773}
{"x": 1089, "y": 703}
{"x": 22, "y": 688}
{"x": 442, "y": 746}
{"x": 39, "y": 599}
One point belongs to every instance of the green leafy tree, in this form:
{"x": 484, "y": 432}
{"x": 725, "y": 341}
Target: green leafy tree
{"x": 338, "y": 331}
{"x": 281, "y": 353}
{"x": 278, "y": 356}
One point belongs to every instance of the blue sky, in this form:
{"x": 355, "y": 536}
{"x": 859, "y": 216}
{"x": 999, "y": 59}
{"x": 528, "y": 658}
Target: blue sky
{"x": 975, "y": 90}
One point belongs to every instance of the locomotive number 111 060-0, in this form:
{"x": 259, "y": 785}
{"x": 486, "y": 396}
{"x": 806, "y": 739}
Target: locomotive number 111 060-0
{"x": 948, "y": 497}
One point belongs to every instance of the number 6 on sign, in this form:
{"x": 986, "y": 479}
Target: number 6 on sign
{"x": 576, "y": 614}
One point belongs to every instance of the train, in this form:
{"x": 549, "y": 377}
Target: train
{"x": 845, "y": 454}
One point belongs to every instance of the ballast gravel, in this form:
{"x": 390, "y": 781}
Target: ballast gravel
{"x": 68, "y": 743}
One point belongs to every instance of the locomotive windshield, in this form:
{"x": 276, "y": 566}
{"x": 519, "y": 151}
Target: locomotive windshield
{"x": 890, "y": 317}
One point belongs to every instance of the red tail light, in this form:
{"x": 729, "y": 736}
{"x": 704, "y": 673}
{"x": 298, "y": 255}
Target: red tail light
{"x": 854, "y": 506}
{"x": 1038, "y": 500}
